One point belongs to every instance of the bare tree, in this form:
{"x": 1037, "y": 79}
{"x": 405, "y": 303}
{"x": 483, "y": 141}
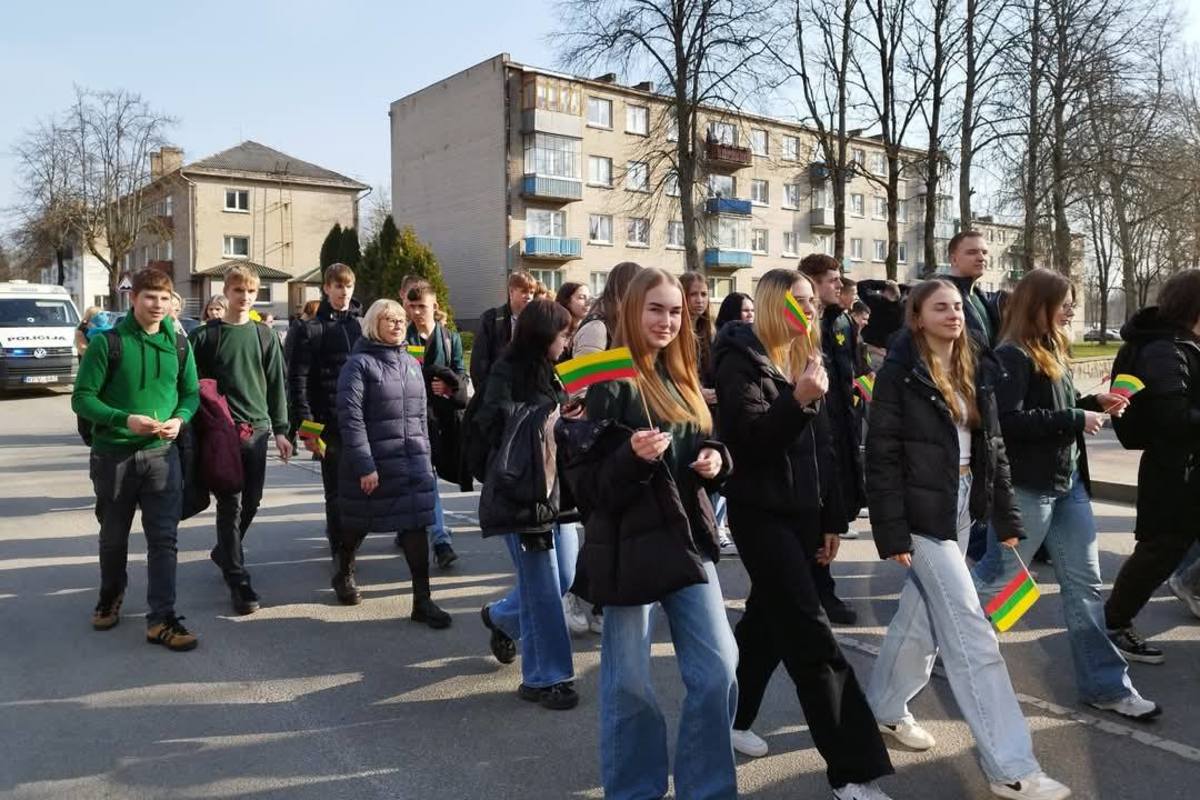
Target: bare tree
{"x": 379, "y": 208}
{"x": 49, "y": 214}
{"x": 701, "y": 50}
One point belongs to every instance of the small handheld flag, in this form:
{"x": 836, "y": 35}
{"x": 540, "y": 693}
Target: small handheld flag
{"x": 607, "y": 365}
{"x": 866, "y": 386}
{"x": 310, "y": 430}
{"x": 1014, "y": 600}
{"x": 795, "y": 314}
{"x": 417, "y": 351}
{"x": 1126, "y": 386}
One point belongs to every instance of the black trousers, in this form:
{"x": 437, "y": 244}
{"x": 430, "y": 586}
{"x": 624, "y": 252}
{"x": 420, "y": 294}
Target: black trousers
{"x": 784, "y": 622}
{"x": 236, "y": 510}
{"x": 1151, "y": 562}
{"x": 329, "y": 480}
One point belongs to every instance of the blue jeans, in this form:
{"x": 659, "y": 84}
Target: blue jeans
{"x": 939, "y": 611}
{"x": 437, "y": 531}
{"x": 1064, "y": 523}
{"x": 633, "y": 732}
{"x": 532, "y": 612}
{"x": 720, "y": 508}
{"x": 1189, "y": 569}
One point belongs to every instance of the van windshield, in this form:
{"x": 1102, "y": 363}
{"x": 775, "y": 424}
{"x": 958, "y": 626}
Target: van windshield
{"x": 29, "y": 312}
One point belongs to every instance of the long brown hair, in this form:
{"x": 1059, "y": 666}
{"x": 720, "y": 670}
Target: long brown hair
{"x": 959, "y": 380}
{"x": 678, "y": 357}
{"x": 789, "y": 351}
{"x": 608, "y": 307}
{"x": 1029, "y": 320}
{"x": 702, "y": 324}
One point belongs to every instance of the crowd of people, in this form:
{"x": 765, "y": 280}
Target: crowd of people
{"x": 762, "y": 431}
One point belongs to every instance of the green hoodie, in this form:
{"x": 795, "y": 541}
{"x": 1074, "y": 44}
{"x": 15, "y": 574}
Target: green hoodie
{"x": 146, "y": 381}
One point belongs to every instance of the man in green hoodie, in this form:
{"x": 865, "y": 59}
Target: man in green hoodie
{"x": 136, "y": 409}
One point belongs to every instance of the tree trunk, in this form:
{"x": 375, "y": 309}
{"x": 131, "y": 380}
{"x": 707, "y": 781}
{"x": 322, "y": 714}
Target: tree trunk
{"x": 893, "y": 195}
{"x": 62, "y": 268}
{"x": 967, "y": 135}
{"x": 933, "y": 152}
{"x": 1033, "y": 139}
{"x": 1058, "y": 192}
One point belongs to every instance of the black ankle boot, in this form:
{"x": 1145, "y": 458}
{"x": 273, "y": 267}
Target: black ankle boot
{"x": 343, "y": 580}
{"x": 426, "y": 611}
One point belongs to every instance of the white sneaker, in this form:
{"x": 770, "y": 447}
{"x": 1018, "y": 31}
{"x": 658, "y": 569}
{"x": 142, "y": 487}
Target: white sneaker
{"x": 861, "y": 791}
{"x": 749, "y": 743}
{"x": 1133, "y": 707}
{"x": 577, "y": 618}
{"x": 909, "y": 734}
{"x": 1181, "y": 591}
{"x": 595, "y": 622}
{"x": 1037, "y": 786}
{"x": 849, "y": 534}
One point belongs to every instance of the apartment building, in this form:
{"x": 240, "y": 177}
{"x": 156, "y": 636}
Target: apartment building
{"x": 250, "y": 204}
{"x": 504, "y": 166}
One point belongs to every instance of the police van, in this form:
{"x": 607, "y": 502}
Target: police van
{"x": 37, "y": 335}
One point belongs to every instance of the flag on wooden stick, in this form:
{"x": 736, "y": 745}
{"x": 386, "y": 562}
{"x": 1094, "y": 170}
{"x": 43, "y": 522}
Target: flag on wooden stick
{"x": 1014, "y": 600}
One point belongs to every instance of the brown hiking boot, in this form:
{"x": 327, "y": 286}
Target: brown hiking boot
{"x": 107, "y": 613}
{"x": 171, "y": 634}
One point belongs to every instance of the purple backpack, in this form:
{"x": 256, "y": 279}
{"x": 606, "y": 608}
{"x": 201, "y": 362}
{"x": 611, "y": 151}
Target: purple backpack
{"x": 219, "y": 445}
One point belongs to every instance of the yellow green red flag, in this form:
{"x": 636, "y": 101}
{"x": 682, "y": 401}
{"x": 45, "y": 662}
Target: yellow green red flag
{"x": 1013, "y": 601}
{"x": 607, "y": 365}
{"x": 795, "y": 314}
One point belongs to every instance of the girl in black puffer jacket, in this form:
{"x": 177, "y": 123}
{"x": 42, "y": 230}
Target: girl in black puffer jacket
{"x": 935, "y": 462}
{"x": 386, "y": 480}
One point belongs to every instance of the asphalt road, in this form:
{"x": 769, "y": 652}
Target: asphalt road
{"x": 308, "y": 699}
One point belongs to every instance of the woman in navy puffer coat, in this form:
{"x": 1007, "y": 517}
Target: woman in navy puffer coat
{"x": 386, "y": 480}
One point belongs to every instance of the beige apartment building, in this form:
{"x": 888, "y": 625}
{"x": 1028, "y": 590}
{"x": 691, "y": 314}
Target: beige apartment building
{"x": 249, "y": 204}
{"x": 504, "y": 166}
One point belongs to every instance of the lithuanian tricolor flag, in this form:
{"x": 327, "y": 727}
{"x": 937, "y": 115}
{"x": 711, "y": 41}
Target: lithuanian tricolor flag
{"x": 866, "y": 386}
{"x": 1012, "y": 603}
{"x": 1126, "y": 385}
{"x": 795, "y": 314}
{"x": 417, "y": 351}
{"x": 607, "y": 365}
{"x": 310, "y": 430}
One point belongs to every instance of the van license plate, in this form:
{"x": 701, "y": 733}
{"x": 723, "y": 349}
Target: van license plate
{"x": 40, "y": 379}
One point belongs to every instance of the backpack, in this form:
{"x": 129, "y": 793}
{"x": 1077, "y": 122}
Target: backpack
{"x": 521, "y": 493}
{"x": 219, "y": 449}
{"x": 1132, "y": 428}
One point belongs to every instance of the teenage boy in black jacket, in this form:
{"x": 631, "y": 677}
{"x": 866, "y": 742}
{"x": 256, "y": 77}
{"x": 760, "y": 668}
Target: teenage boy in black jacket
{"x": 496, "y": 327}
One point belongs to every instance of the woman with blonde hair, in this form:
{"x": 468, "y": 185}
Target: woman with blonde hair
{"x": 935, "y": 462}
{"x": 785, "y": 509}
{"x": 215, "y": 308}
{"x": 641, "y": 467}
{"x": 1044, "y": 420}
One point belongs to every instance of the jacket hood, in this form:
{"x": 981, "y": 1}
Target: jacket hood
{"x": 903, "y": 351}
{"x": 325, "y": 310}
{"x": 740, "y": 338}
{"x": 379, "y": 349}
{"x": 1147, "y": 324}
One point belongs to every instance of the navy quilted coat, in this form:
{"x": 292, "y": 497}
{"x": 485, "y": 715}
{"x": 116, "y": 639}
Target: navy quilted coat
{"x": 382, "y": 417}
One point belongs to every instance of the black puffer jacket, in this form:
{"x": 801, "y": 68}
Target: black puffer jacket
{"x": 784, "y": 451}
{"x": 986, "y": 331}
{"x": 1040, "y": 425}
{"x": 1168, "y": 362}
{"x": 491, "y": 340}
{"x": 321, "y": 347}
{"x": 839, "y": 340}
{"x": 912, "y": 455}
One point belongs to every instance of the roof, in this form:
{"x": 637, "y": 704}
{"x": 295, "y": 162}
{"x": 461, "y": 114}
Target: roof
{"x": 313, "y": 276}
{"x": 266, "y": 273}
{"x": 252, "y": 157}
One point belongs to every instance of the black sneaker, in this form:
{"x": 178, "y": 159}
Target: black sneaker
{"x": 444, "y": 555}
{"x": 839, "y": 613}
{"x": 245, "y": 599}
{"x": 559, "y": 697}
{"x": 503, "y": 648}
{"x": 1134, "y": 647}
{"x": 426, "y": 611}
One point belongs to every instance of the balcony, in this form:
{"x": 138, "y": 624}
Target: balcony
{"x": 817, "y": 172}
{"x": 552, "y": 248}
{"x": 540, "y": 187}
{"x": 729, "y": 259}
{"x": 727, "y": 157}
{"x": 540, "y": 120}
{"x": 821, "y": 219}
{"x": 727, "y": 205}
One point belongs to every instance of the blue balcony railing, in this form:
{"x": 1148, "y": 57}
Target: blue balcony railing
{"x": 727, "y": 205}
{"x": 553, "y": 248}
{"x": 539, "y": 187}
{"x": 721, "y": 257}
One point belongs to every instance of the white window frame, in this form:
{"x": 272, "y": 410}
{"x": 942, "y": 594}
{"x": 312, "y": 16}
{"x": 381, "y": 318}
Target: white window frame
{"x": 227, "y": 249}
{"x": 760, "y": 247}
{"x": 597, "y": 281}
{"x": 822, "y": 243}
{"x": 764, "y": 197}
{"x": 791, "y": 148}
{"x": 592, "y": 179}
{"x": 717, "y": 177}
{"x": 675, "y": 242}
{"x": 879, "y": 255}
{"x": 593, "y": 229}
{"x": 791, "y": 195}
{"x": 633, "y": 168}
{"x": 878, "y": 207}
{"x": 556, "y": 218}
{"x": 632, "y": 226}
{"x": 858, "y": 156}
{"x": 879, "y": 165}
{"x": 821, "y": 197}
{"x": 238, "y": 195}
{"x": 902, "y": 211}
{"x": 632, "y": 116}
{"x": 788, "y": 244}
{"x": 671, "y": 184}
{"x": 725, "y": 133}
{"x": 719, "y": 288}
{"x": 601, "y": 102}
{"x": 552, "y": 156}
{"x": 858, "y": 205}
{"x": 551, "y": 278}
{"x": 760, "y": 141}
{"x": 856, "y": 249}
{"x": 902, "y": 252}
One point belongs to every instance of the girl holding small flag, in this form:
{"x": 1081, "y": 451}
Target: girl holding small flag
{"x": 935, "y": 462}
{"x": 641, "y": 469}
{"x": 786, "y": 510}
{"x": 1044, "y": 420}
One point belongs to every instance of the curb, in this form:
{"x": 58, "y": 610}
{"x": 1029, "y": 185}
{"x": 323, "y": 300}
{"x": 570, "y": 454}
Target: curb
{"x": 1114, "y": 492}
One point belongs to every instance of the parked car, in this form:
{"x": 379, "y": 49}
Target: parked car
{"x": 1113, "y": 335}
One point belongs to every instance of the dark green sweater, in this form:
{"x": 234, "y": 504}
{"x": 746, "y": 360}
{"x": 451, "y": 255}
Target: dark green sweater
{"x": 147, "y": 381}
{"x": 253, "y": 386}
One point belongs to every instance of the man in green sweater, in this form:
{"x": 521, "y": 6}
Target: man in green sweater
{"x": 136, "y": 404}
{"x": 246, "y": 360}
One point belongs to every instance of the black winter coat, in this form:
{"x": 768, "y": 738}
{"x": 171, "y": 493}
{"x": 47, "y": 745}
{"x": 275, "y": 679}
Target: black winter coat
{"x": 1038, "y": 428}
{"x": 912, "y": 455}
{"x": 444, "y": 360}
{"x": 1168, "y": 362}
{"x": 491, "y": 340}
{"x": 784, "y": 451}
{"x": 319, "y": 349}
{"x": 381, "y": 415}
{"x": 985, "y": 337}
{"x": 839, "y": 340}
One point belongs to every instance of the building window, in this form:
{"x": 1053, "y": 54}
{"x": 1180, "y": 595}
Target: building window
{"x": 856, "y": 249}
{"x": 760, "y": 192}
{"x": 857, "y": 206}
{"x": 731, "y": 232}
{"x": 551, "y": 278}
{"x": 880, "y": 250}
{"x": 599, "y": 113}
{"x": 672, "y": 127}
{"x": 671, "y": 184}
{"x": 598, "y": 281}
{"x": 879, "y": 208}
{"x": 858, "y": 156}
{"x": 723, "y": 133}
{"x": 168, "y": 206}
{"x": 791, "y": 195}
{"x": 789, "y": 243}
{"x": 758, "y": 141}
{"x": 879, "y": 163}
{"x": 722, "y": 186}
{"x": 637, "y": 120}
{"x": 902, "y": 210}
{"x": 552, "y": 156}
{"x": 822, "y": 243}
{"x": 600, "y": 171}
{"x": 902, "y": 252}
{"x": 237, "y": 246}
{"x": 550, "y": 94}
{"x": 821, "y": 197}
{"x": 545, "y": 222}
{"x": 758, "y": 241}
{"x": 675, "y": 233}
{"x": 637, "y": 232}
{"x": 791, "y": 148}
{"x": 637, "y": 176}
{"x": 719, "y": 289}
{"x": 264, "y": 294}
{"x": 237, "y": 200}
{"x": 600, "y": 228}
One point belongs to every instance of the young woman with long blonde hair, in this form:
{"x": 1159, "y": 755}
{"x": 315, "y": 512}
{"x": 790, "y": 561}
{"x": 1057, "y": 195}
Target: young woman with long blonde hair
{"x": 785, "y": 508}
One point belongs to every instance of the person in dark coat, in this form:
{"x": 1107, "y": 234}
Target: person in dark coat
{"x": 386, "y": 478}
{"x": 496, "y": 327}
{"x": 736, "y": 307}
{"x": 317, "y": 349}
{"x": 936, "y": 461}
{"x": 785, "y": 511}
{"x": 1166, "y": 343}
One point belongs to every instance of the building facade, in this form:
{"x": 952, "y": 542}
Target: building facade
{"x": 504, "y": 166}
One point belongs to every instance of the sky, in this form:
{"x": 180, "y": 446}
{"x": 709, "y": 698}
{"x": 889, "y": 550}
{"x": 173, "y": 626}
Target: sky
{"x": 312, "y": 79}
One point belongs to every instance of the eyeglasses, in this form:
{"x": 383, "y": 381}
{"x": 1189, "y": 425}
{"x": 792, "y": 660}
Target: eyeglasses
{"x": 395, "y": 322}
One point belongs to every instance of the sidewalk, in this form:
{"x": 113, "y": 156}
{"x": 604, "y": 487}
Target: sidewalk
{"x": 1114, "y": 469}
